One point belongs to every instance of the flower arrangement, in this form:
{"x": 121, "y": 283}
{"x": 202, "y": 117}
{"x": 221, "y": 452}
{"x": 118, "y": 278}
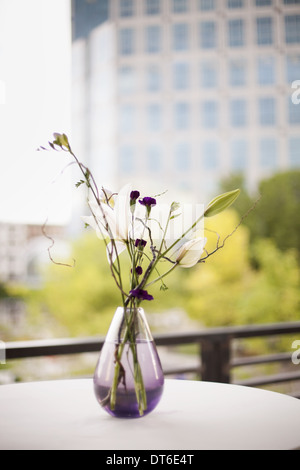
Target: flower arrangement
{"x": 124, "y": 222}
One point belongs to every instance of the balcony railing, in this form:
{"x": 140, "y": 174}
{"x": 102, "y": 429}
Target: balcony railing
{"x": 215, "y": 346}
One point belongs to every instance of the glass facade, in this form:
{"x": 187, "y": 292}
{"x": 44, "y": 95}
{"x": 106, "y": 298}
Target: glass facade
{"x": 180, "y": 37}
{"x": 266, "y": 70}
{"x": 153, "y": 78}
{"x": 236, "y": 33}
{"x": 153, "y": 39}
{"x": 264, "y": 31}
{"x": 181, "y": 76}
{"x": 208, "y": 34}
{"x": 294, "y": 151}
{"x": 154, "y": 158}
{"x": 267, "y": 112}
{"x": 182, "y": 155}
{"x": 292, "y": 67}
{"x": 268, "y": 153}
{"x": 126, "y": 41}
{"x": 154, "y": 117}
{"x": 206, "y": 5}
{"x": 212, "y": 78}
{"x": 292, "y": 29}
{"x": 210, "y": 159}
{"x": 238, "y": 116}
{"x": 180, "y": 6}
{"x": 237, "y": 72}
{"x": 208, "y": 74}
{"x": 239, "y": 154}
{"x": 126, "y": 8}
{"x": 209, "y": 114}
{"x": 293, "y": 112}
{"x": 182, "y": 116}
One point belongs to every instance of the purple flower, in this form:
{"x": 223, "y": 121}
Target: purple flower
{"x": 141, "y": 294}
{"x": 134, "y": 195}
{"x": 139, "y": 270}
{"x": 140, "y": 243}
{"x": 148, "y": 202}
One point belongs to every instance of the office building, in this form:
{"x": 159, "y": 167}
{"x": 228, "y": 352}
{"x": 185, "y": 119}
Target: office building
{"x": 178, "y": 94}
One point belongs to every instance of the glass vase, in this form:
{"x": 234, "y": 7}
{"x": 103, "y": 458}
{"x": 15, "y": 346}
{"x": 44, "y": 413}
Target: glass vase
{"x": 128, "y": 379}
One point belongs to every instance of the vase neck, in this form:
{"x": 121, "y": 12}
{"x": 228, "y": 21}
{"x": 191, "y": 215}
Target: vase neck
{"x": 129, "y": 324}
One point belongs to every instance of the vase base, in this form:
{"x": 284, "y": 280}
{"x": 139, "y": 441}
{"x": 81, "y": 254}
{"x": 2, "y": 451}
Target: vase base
{"x": 126, "y": 404}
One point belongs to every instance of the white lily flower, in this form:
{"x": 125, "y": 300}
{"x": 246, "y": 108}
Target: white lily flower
{"x": 190, "y": 252}
{"x": 113, "y": 222}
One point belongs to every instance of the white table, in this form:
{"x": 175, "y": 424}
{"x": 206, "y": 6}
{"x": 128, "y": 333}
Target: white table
{"x": 191, "y": 415}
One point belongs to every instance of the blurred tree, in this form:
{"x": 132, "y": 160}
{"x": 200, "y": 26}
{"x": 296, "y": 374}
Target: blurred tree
{"x": 84, "y": 297}
{"x": 277, "y": 214}
{"x": 227, "y": 290}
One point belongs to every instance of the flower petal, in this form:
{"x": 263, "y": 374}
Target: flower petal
{"x": 190, "y": 253}
{"x": 113, "y": 250}
{"x": 122, "y": 214}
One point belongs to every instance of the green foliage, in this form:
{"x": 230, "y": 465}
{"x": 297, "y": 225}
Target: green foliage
{"x": 277, "y": 214}
{"x": 84, "y": 297}
{"x": 228, "y": 290}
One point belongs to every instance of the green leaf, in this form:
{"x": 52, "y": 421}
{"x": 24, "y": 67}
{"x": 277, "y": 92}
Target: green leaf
{"x": 221, "y": 202}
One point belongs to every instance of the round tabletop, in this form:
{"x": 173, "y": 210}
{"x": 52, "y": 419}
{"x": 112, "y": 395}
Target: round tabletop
{"x": 192, "y": 415}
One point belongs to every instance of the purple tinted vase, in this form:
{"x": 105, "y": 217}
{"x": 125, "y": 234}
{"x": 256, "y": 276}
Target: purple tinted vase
{"x": 128, "y": 380}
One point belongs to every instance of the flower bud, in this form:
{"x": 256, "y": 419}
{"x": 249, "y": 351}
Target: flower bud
{"x": 220, "y": 203}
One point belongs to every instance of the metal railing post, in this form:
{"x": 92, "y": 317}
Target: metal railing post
{"x": 215, "y": 359}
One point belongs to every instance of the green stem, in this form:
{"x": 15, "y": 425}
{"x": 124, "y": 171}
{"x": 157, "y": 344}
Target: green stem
{"x": 162, "y": 276}
{"x": 129, "y": 338}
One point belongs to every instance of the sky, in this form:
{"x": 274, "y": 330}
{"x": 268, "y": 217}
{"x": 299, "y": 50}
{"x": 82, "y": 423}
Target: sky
{"x": 35, "y": 90}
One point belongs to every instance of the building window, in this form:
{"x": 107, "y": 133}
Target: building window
{"x": 235, "y": 4}
{"x": 126, "y": 8}
{"x": 153, "y": 7}
{"x": 208, "y": 34}
{"x": 263, "y": 3}
{"x": 180, "y": 6}
{"x": 237, "y": 72}
{"x": 154, "y": 117}
{"x": 153, "y": 39}
{"x": 182, "y": 116}
{"x": 210, "y": 158}
{"x": 181, "y": 76}
{"x": 264, "y": 31}
{"x": 208, "y": 75}
{"x": 206, "y": 5}
{"x": 180, "y": 37}
{"x": 293, "y": 112}
{"x": 209, "y": 111}
{"x": 266, "y": 111}
{"x": 292, "y": 29}
{"x": 182, "y": 153}
{"x": 126, "y": 43}
{"x": 127, "y": 80}
{"x": 291, "y": 2}
{"x": 154, "y": 158}
{"x": 153, "y": 78}
{"x": 239, "y": 154}
{"x": 266, "y": 70}
{"x": 127, "y": 118}
{"x": 268, "y": 153}
{"x": 236, "y": 33}
{"x": 292, "y": 68}
{"x": 238, "y": 116}
{"x": 294, "y": 151}
{"x": 126, "y": 159}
